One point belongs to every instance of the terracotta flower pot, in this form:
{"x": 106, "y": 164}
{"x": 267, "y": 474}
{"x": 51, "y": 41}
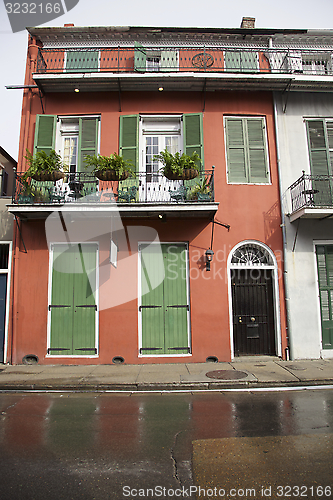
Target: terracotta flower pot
{"x": 111, "y": 175}
{"x": 48, "y": 176}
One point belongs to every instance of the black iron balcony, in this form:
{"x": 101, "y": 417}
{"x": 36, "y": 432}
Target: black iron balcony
{"x": 184, "y": 59}
{"x": 312, "y": 192}
{"x": 144, "y": 188}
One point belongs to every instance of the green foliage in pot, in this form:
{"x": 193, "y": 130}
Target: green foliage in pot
{"x": 113, "y": 162}
{"x": 43, "y": 163}
{"x": 176, "y": 163}
{"x": 200, "y": 190}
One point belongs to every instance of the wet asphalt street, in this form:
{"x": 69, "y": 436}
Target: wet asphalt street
{"x": 56, "y": 446}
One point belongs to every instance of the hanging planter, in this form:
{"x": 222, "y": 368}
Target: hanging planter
{"x": 47, "y": 176}
{"x": 109, "y": 168}
{"x": 186, "y": 175}
{"x": 111, "y": 175}
{"x": 179, "y": 167}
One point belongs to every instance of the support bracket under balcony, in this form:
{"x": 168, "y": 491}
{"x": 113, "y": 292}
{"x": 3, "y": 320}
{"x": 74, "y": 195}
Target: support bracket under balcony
{"x": 18, "y": 226}
{"x": 286, "y": 93}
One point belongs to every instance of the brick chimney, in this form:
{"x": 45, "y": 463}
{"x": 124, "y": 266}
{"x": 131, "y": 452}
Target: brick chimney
{"x": 248, "y": 22}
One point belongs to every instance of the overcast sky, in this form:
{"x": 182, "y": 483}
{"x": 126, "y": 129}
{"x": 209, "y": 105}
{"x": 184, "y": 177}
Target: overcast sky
{"x": 307, "y": 14}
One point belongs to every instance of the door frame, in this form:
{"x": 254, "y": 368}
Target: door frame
{"x": 48, "y": 342}
{"x": 8, "y": 272}
{"x": 186, "y": 244}
{"x": 276, "y": 302}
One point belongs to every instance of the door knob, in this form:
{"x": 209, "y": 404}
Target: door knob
{"x": 253, "y": 319}
{"x": 239, "y": 319}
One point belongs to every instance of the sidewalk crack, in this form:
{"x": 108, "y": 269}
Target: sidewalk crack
{"x": 290, "y": 372}
{"x": 174, "y": 460}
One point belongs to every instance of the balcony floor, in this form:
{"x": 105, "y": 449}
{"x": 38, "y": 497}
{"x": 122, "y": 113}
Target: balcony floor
{"x": 127, "y": 210}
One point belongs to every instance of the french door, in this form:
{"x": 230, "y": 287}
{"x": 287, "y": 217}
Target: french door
{"x": 154, "y": 186}
{"x": 164, "y": 310}
{"x": 73, "y": 304}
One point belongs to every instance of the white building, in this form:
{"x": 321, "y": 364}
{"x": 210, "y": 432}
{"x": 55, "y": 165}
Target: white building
{"x": 304, "y": 121}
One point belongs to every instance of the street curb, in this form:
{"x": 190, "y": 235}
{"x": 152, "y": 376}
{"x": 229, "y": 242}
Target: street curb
{"x": 165, "y": 387}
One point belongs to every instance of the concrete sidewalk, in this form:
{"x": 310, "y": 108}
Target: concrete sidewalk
{"x": 245, "y": 372}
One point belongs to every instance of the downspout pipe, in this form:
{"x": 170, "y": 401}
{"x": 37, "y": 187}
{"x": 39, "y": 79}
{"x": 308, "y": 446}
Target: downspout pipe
{"x": 288, "y": 354}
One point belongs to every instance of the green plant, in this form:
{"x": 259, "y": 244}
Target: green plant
{"x": 43, "y": 162}
{"x": 113, "y": 162}
{"x": 201, "y": 189}
{"x": 176, "y": 163}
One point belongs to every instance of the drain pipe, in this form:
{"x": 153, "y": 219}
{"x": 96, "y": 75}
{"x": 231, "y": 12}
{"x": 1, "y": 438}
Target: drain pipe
{"x": 288, "y": 353}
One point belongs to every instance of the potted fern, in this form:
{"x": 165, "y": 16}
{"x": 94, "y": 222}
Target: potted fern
{"x": 177, "y": 166}
{"x": 44, "y": 167}
{"x": 201, "y": 191}
{"x": 110, "y": 168}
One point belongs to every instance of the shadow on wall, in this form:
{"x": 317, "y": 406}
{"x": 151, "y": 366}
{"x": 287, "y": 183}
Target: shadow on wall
{"x": 272, "y": 224}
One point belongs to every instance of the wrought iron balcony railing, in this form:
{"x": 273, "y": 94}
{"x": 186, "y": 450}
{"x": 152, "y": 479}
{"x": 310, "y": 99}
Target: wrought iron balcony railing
{"x": 184, "y": 59}
{"x": 313, "y": 191}
{"x": 151, "y": 188}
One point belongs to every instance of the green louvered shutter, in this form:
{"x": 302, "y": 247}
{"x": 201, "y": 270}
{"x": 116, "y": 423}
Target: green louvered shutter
{"x": 325, "y": 278}
{"x": 329, "y": 128}
{"x": 236, "y": 150}
{"x": 61, "y": 307}
{"x": 249, "y": 62}
{"x": 129, "y": 138}
{"x": 88, "y": 141}
{"x": 82, "y": 61}
{"x": 193, "y": 135}
{"x": 319, "y": 162}
{"x": 129, "y": 149}
{"x": 45, "y": 133}
{"x": 84, "y": 301}
{"x": 164, "y": 309}
{"x": 176, "y": 304}
{"x": 73, "y": 305}
{"x": 246, "y": 150}
{"x": 193, "y": 140}
{"x": 152, "y": 305}
{"x": 257, "y": 155}
{"x": 140, "y": 57}
{"x": 169, "y": 60}
{"x": 232, "y": 61}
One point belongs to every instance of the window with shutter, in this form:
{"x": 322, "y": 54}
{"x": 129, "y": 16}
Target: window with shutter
{"x": 320, "y": 140}
{"x": 141, "y": 137}
{"x": 154, "y": 60}
{"x": 246, "y": 146}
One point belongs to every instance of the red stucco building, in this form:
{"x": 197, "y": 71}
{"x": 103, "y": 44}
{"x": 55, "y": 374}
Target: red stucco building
{"x": 101, "y": 278}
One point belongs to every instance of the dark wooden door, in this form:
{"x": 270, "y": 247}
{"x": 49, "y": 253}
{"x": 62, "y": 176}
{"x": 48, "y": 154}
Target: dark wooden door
{"x": 253, "y": 311}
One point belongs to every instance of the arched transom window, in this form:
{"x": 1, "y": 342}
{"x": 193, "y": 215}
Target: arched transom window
{"x": 251, "y": 255}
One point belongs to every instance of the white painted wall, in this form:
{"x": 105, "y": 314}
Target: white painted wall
{"x": 301, "y": 235}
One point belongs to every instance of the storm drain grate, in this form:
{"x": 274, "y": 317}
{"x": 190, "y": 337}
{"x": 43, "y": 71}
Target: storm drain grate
{"x": 226, "y": 374}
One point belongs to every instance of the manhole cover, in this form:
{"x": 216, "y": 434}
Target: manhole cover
{"x": 226, "y": 374}
{"x": 291, "y": 367}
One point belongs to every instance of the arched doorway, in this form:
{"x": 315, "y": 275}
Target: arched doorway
{"x": 253, "y": 288}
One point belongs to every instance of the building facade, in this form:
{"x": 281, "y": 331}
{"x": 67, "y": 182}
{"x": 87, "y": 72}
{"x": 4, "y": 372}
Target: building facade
{"x": 7, "y": 171}
{"x": 118, "y": 271}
